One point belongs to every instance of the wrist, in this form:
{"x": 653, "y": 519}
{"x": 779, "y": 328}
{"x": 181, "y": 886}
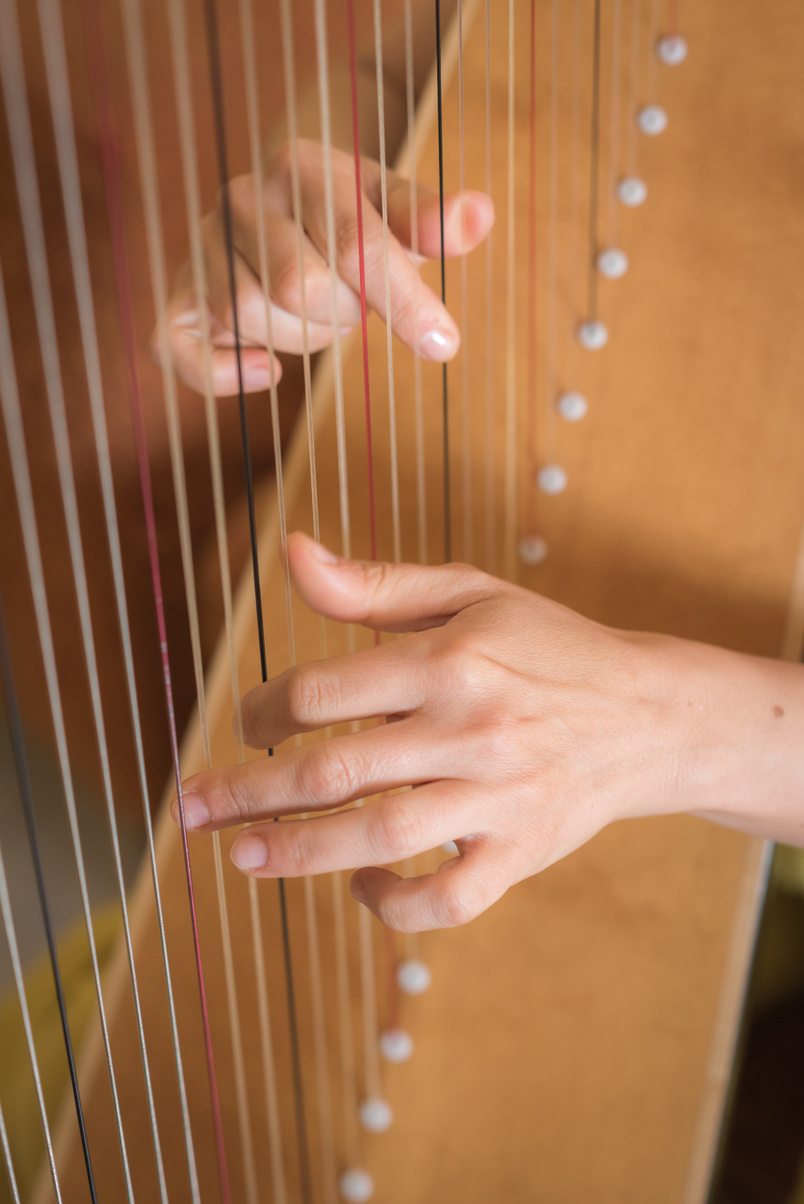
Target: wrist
{"x": 732, "y": 733}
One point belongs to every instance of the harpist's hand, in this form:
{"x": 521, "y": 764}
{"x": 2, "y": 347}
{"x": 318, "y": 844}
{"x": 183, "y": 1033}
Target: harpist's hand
{"x": 523, "y": 727}
{"x": 417, "y": 315}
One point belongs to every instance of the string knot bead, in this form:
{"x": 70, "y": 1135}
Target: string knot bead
{"x": 532, "y": 549}
{"x": 376, "y": 1115}
{"x": 552, "y": 479}
{"x": 572, "y": 406}
{"x": 612, "y": 263}
{"x": 652, "y": 120}
{"x": 356, "y": 1186}
{"x": 396, "y": 1045}
{"x": 632, "y": 191}
{"x": 593, "y": 335}
{"x": 413, "y": 976}
{"x": 671, "y": 50}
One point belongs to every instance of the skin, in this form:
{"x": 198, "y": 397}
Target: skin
{"x": 522, "y": 727}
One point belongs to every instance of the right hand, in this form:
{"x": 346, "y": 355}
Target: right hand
{"x": 416, "y": 315}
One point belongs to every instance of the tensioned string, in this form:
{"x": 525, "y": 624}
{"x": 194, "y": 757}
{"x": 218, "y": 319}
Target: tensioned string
{"x": 532, "y": 405}
{"x": 9, "y": 1164}
{"x": 574, "y": 287}
{"x": 614, "y": 111}
{"x": 26, "y": 795}
{"x": 210, "y": 10}
{"x": 468, "y": 526}
{"x": 491, "y": 426}
{"x": 652, "y": 81}
{"x": 594, "y": 172}
{"x": 21, "y": 137}
{"x": 633, "y": 90}
{"x": 510, "y": 318}
{"x": 112, "y": 186}
{"x": 418, "y": 401}
{"x": 444, "y": 393}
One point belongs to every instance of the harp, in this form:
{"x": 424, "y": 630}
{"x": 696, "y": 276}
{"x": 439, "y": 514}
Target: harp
{"x": 577, "y": 1039}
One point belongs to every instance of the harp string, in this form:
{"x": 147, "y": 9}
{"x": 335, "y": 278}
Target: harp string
{"x": 418, "y": 401}
{"x": 551, "y": 367}
{"x": 343, "y": 996}
{"x": 510, "y": 502}
{"x": 594, "y": 174}
{"x": 654, "y": 23}
{"x": 468, "y": 526}
{"x": 9, "y": 1165}
{"x": 20, "y": 133}
{"x": 378, "y": 55}
{"x": 444, "y": 380}
{"x": 614, "y": 113}
{"x": 633, "y": 91}
{"x": 26, "y": 795}
{"x": 490, "y": 408}
{"x": 573, "y": 291}
{"x": 532, "y": 408}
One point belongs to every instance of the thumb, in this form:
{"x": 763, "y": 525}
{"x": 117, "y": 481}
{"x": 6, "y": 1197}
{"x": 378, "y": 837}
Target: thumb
{"x": 388, "y": 597}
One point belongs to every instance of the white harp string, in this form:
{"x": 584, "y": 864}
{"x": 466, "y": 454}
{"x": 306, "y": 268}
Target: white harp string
{"x": 510, "y": 318}
{"x": 466, "y": 430}
{"x": 491, "y": 425}
{"x": 551, "y": 366}
{"x": 413, "y": 194}
{"x": 614, "y": 121}
{"x": 633, "y": 89}
{"x": 9, "y": 1165}
{"x": 389, "y": 337}
{"x": 573, "y": 240}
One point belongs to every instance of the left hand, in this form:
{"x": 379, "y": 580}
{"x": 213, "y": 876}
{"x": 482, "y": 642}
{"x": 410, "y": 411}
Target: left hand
{"x": 522, "y": 727}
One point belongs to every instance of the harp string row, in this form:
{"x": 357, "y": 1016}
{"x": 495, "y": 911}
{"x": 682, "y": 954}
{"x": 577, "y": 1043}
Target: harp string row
{"x": 18, "y": 120}
{"x": 24, "y": 785}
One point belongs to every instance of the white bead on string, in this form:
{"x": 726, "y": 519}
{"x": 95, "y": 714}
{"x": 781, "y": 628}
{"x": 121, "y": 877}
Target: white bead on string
{"x": 396, "y": 1045}
{"x": 552, "y": 479}
{"x": 612, "y": 263}
{"x": 671, "y": 50}
{"x": 652, "y": 120}
{"x": 572, "y": 406}
{"x": 632, "y": 191}
{"x": 356, "y": 1186}
{"x": 413, "y": 976}
{"x": 593, "y": 335}
{"x": 532, "y": 549}
{"x": 376, "y": 1115}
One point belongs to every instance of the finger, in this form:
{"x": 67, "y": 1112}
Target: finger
{"x": 179, "y": 343}
{"x": 416, "y": 314}
{"x": 387, "y": 680}
{"x": 468, "y": 215}
{"x": 287, "y": 330}
{"x": 387, "y": 831}
{"x": 463, "y": 888}
{"x": 391, "y": 597}
{"x": 282, "y": 250}
{"x": 318, "y": 776}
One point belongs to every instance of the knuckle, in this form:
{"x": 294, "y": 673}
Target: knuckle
{"x": 241, "y": 196}
{"x": 459, "y": 905}
{"x": 347, "y": 245}
{"x": 325, "y": 775}
{"x": 397, "y": 829}
{"x": 287, "y": 284}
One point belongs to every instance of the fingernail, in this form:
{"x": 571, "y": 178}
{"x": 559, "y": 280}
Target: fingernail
{"x": 323, "y": 554}
{"x": 438, "y": 345}
{"x": 196, "y": 813}
{"x": 257, "y": 378}
{"x": 358, "y": 888}
{"x": 249, "y": 853}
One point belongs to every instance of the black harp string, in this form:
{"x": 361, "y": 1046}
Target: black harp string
{"x": 594, "y": 170}
{"x": 216, "y": 85}
{"x": 26, "y": 795}
{"x": 444, "y": 393}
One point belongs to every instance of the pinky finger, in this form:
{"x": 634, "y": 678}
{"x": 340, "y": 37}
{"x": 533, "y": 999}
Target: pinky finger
{"x": 462, "y": 889}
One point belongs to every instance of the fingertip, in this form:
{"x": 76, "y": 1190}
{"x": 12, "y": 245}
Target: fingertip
{"x": 468, "y": 221}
